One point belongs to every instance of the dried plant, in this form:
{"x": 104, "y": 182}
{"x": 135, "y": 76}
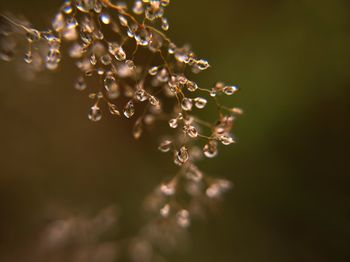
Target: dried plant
{"x": 143, "y": 75}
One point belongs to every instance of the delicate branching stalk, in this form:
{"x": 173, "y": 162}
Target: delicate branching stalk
{"x": 136, "y": 63}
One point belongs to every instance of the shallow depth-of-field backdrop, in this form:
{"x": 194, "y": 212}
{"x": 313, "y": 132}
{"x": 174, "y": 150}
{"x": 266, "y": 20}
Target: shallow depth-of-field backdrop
{"x": 290, "y": 168}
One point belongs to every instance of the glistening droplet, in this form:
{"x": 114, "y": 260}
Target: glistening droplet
{"x": 202, "y": 64}
{"x": 200, "y": 102}
{"x": 80, "y": 84}
{"x": 53, "y": 58}
{"x": 173, "y": 123}
{"x": 95, "y": 113}
{"x": 113, "y": 109}
{"x": 191, "y": 131}
{"x": 230, "y": 90}
{"x": 165, "y": 24}
{"x": 153, "y": 70}
{"x": 129, "y": 109}
{"x": 165, "y": 146}
{"x": 226, "y": 140}
{"x": 105, "y": 18}
{"x": 186, "y": 104}
{"x": 210, "y": 150}
{"x": 182, "y": 155}
{"x": 28, "y": 57}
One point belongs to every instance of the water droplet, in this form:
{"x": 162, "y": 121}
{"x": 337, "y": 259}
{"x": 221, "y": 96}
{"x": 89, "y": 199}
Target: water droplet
{"x": 182, "y": 80}
{"x": 202, "y": 64}
{"x": 120, "y": 55}
{"x": 110, "y": 82}
{"x": 165, "y": 24}
{"x": 182, "y": 155}
{"x": 116, "y": 50}
{"x": 28, "y": 57}
{"x": 143, "y": 37}
{"x": 153, "y": 70}
{"x": 53, "y": 58}
{"x": 100, "y": 71}
{"x": 58, "y": 22}
{"x": 150, "y": 15}
{"x": 54, "y": 42}
{"x": 113, "y": 109}
{"x": 80, "y": 84}
{"x": 130, "y": 33}
{"x": 191, "y": 86}
{"x": 141, "y": 95}
{"x": 165, "y": 146}
{"x": 226, "y": 140}
{"x": 182, "y": 56}
{"x": 171, "y": 48}
{"x": 111, "y": 86}
{"x": 230, "y": 90}
{"x": 153, "y": 100}
{"x": 93, "y": 59}
{"x": 106, "y": 59}
{"x": 97, "y": 34}
{"x": 105, "y": 18}
{"x": 86, "y": 37}
{"x": 95, "y": 113}
{"x": 130, "y": 64}
{"x": 173, "y": 123}
{"x": 191, "y": 131}
{"x": 163, "y": 76}
{"x": 72, "y": 23}
{"x": 186, "y": 104}
{"x": 98, "y": 7}
{"x": 200, "y": 102}
{"x": 123, "y": 21}
{"x": 164, "y": 2}
{"x": 83, "y": 5}
{"x": 129, "y": 109}
{"x": 67, "y": 7}
{"x": 210, "y": 150}
{"x": 33, "y": 35}
{"x": 138, "y": 7}
{"x": 87, "y": 24}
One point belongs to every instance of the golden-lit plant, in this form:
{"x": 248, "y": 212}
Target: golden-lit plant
{"x": 143, "y": 75}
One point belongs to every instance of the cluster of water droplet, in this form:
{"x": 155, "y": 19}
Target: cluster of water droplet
{"x": 187, "y": 194}
{"x": 142, "y": 74}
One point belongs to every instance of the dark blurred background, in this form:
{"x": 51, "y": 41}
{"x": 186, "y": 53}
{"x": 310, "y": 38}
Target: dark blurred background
{"x": 291, "y": 198}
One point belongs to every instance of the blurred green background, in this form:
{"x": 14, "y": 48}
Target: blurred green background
{"x": 290, "y": 168}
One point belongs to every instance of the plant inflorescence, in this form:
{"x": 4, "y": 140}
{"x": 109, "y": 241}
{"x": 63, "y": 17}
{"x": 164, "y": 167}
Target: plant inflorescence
{"x": 143, "y": 75}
